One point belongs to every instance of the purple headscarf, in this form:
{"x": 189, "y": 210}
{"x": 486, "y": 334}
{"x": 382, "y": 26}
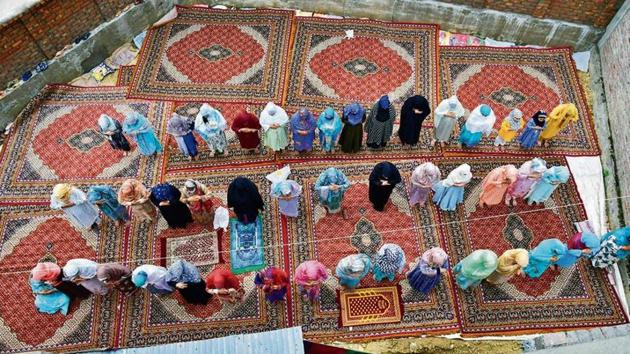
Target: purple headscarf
{"x": 354, "y": 113}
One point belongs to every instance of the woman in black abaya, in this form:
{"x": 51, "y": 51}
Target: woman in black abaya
{"x": 244, "y": 198}
{"x": 383, "y": 180}
{"x": 167, "y": 198}
{"x": 414, "y": 111}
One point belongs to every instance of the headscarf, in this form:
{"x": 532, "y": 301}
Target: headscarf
{"x": 303, "y": 119}
{"x": 285, "y": 188}
{"x": 390, "y": 259}
{"x": 139, "y": 278}
{"x": 132, "y": 190}
{"x": 548, "y": 248}
{"x": 183, "y": 272}
{"x": 382, "y": 113}
{"x": 461, "y": 174}
{"x": 331, "y": 176}
{"x": 450, "y": 104}
{"x": 112, "y": 272}
{"x": 62, "y": 191}
{"x": 354, "y": 264}
{"x": 209, "y": 121}
{"x": 435, "y": 256}
{"x": 244, "y": 197}
{"x": 83, "y": 268}
{"x": 103, "y": 194}
{"x": 245, "y": 119}
{"x": 534, "y": 165}
{"x": 106, "y": 123}
{"x": 385, "y": 171}
{"x": 540, "y": 118}
{"x": 354, "y": 113}
{"x": 329, "y": 122}
{"x": 505, "y": 172}
{"x": 46, "y": 271}
{"x": 136, "y": 123}
{"x": 309, "y": 271}
{"x": 514, "y": 119}
{"x": 426, "y": 174}
{"x": 565, "y": 111}
{"x": 585, "y": 240}
{"x": 179, "y": 125}
{"x": 556, "y": 174}
{"x": 479, "y": 264}
{"x": 148, "y": 274}
{"x": 273, "y": 114}
{"x": 418, "y": 102}
{"x": 479, "y": 122}
{"x": 163, "y": 192}
{"x": 221, "y": 278}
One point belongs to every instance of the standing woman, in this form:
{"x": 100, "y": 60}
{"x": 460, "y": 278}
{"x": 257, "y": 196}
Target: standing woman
{"x": 199, "y": 200}
{"x": 309, "y": 276}
{"x": 351, "y": 269}
{"x": 414, "y": 111}
{"x": 288, "y": 194}
{"x": 211, "y": 126}
{"x": 473, "y": 269}
{"x": 105, "y": 199}
{"x": 383, "y": 180}
{"x": 133, "y": 194}
{"x": 559, "y": 118}
{"x": 168, "y": 199}
{"x": 225, "y": 285}
{"x": 535, "y": 125}
{"x": 83, "y": 272}
{"x": 181, "y": 128}
{"x": 303, "y": 127}
{"x": 480, "y": 121}
{"x": 551, "y": 179}
{"x": 139, "y": 127}
{"x": 446, "y": 115}
{"x": 329, "y": 125}
{"x": 331, "y": 186}
{"x": 529, "y": 173}
{"x": 274, "y": 282}
{"x": 116, "y": 276}
{"x": 422, "y": 179}
{"x": 380, "y": 123}
{"x": 153, "y": 278}
{"x": 185, "y": 277}
{"x": 510, "y": 263}
{"x": 273, "y": 120}
{"x": 351, "y": 137}
{"x": 450, "y": 191}
{"x": 247, "y": 130}
{"x": 112, "y": 129}
{"x": 243, "y": 197}
{"x": 75, "y": 204}
{"x": 496, "y": 183}
{"x": 427, "y": 270}
{"x": 389, "y": 260}
{"x": 544, "y": 256}
{"x": 509, "y": 127}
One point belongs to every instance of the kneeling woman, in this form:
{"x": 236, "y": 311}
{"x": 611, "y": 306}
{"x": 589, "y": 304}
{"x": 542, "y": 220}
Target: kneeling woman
{"x": 185, "y": 277}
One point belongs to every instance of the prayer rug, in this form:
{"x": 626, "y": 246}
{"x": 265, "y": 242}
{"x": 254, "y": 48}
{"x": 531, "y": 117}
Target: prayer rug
{"x": 581, "y": 296}
{"x": 330, "y": 69}
{"x": 125, "y": 74}
{"x": 246, "y": 246}
{"x": 228, "y": 55}
{"x": 29, "y": 234}
{"x": 198, "y": 244}
{"x": 56, "y": 139}
{"x": 150, "y": 319}
{"x": 361, "y": 307}
{"x": 524, "y": 78}
{"x": 328, "y": 238}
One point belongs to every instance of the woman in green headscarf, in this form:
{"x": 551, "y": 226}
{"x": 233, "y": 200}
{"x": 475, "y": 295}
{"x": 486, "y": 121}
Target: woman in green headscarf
{"x": 477, "y": 266}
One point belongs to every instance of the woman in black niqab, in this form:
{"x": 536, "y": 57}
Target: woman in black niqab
{"x": 383, "y": 180}
{"x": 414, "y": 111}
{"x": 243, "y": 197}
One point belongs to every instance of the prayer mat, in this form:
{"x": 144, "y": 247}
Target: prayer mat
{"x": 328, "y": 238}
{"x": 524, "y": 78}
{"x": 229, "y": 55}
{"x": 581, "y": 296}
{"x": 56, "y": 139}
{"x": 330, "y": 69}
{"x": 246, "y": 246}
{"x": 197, "y": 244}
{"x": 150, "y": 319}
{"x": 29, "y": 234}
{"x": 370, "y": 306}
{"x": 125, "y": 74}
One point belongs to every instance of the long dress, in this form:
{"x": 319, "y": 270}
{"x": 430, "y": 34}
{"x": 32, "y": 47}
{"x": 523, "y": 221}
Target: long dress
{"x": 288, "y": 194}
{"x": 446, "y": 115}
{"x": 551, "y": 179}
{"x": 48, "y": 299}
{"x": 535, "y": 125}
{"x": 496, "y": 183}
{"x": 477, "y": 125}
{"x": 153, "y": 278}
{"x": 389, "y": 260}
{"x": 351, "y": 137}
{"x": 380, "y": 123}
{"x": 309, "y": 276}
{"x": 198, "y": 199}
{"x": 141, "y": 130}
{"x": 274, "y": 138}
{"x": 329, "y": 198}
{"x": 540, "y": 257}
{"x": 246, "y": 121}
{"x": 303, "y": 122}
{"x": 176, "y": 213}
{"x": 211, "y": 126}
{"x": 422, "y": 179}
{"x": 559, "y": 118}
{"x": 112, "y": 129}
{"x": 509, "y": 264}
{"x": 194, "y": 289}
{"x": 426, "y": 273}
{"x": 81, "y": 213}
{"x": 105, "y": 199}
{"x": 509, "y": 127}
{"x": 244, "y": 198}
{"x": 274, "y": 282}
{"x": 136, "y": 196}
{"x": 449, "y": 192}
{"x": 181, "y": 129}
{"x": 383, "y": 180}
{"x": 351, "y": 269}
{"x": 329, "y": 125}
{"x": 473, "y": 269}
{"x": 577, "y": 244}
{"x": 410, "y": 121}
{"x": 529, "y": 173}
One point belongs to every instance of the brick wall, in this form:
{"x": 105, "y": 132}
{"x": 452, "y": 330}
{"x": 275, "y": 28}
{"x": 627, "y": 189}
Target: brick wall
{"x": 597, "y": 13}
{"x": 46, "y": 28}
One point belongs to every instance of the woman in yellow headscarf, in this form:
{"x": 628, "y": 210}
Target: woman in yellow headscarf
{"x": 75, "y": 204}
{"x": 511, "y": 263}
{"x": 557, "y": 120}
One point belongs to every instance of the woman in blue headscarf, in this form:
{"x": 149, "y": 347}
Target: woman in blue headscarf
{"x": 380, "y": 123}
{"x": 139, "y": 127}
{"x": 352, "y": 134}
{"x": 288, "y": 194}
{"x": 48, "y": 299}
{"x": 551, "y": 179}
{"x": 614, "y": 246}
{"x": 351, "y": 269}
{"x": 533, "y": 128}
{"x": 167, "y": 198}
{"x": 329, "y": 125}
{"x": 389, "y": 260}
{"x": 112, "y": 129}
{"x": 331, "y": 186}
{"x": 185, "y": 277}
{"x": 303, "y": 125}
{"x": 211, "y": 126}
{"x": 106, "y": 199}
{"x": 181, "y": 129}
{"x": 582, "y": 244}
{"x": 480, "y": 121}
{"x": 544, "y": 256}
{"x": 153, "y": 278}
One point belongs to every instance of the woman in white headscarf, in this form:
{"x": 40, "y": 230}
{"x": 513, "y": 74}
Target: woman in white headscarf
{"x": 211, "y": 126}
{"x": 450, "y": 191}
{"x": 112, "y": 129}
{"x": 83, "y": 272}
{"x": 352, "y": 269}
{"x": 480, "y": 121}
{"x": 446, "y": 115}
{"x": 273, "y": 120}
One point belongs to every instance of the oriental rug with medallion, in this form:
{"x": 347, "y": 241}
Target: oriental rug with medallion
{"x": 125, "y": 74}
{"x": 581, "y": 296}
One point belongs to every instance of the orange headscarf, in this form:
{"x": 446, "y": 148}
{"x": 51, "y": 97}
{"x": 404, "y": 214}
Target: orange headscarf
{"x": 46, "y": 271}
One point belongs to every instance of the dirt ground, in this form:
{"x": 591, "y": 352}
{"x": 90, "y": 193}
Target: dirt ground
{"x": 433, "y": 345}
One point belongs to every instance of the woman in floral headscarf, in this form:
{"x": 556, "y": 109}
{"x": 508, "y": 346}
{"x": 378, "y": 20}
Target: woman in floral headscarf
{"x": 329, "y": 125}
{"x": 211, "y": 126}
{"x": 614, "y": 246}
{"x": 133, "y": 194}
{"x": 168, "y": 199}
{"x": 112, "y": 129}
{"x": 509, "y": 127}
{"x": 303, "y": 125}
{"x": 380, "y": 123}
{"x": 496, "y": 183}
{"x": 181, "y": 128}
{"x": 309, "y": 276}
{"x": 351, "y": 137}
{"x": 75, "y": 204}
{"x": 529, "y": 173}
{"x": 422, "y": 179}
{"x": 185, "y": 277}
{"x": 351, "y": 269}
{"x": 105, "y": 199}
{"x": 426, "y": 271}
{"x": 199, "y": 200}
{"x": 389, "y": 260}
{"x": 449, "y": 192}
{"x": 139, "y": 127}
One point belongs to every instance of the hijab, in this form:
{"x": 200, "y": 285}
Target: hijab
{"x": 148, "y": 274}
{"x": 106, "y": 123}
{"x": 163, "y": 192}
{"x": 46, "y": 271}
{"x": 385, "y": 171}
{"x": 329, "y": 122}
{"x": 534, "y": 165}
{"x": 103, "y": 194}
{"x": 435, "y": 256}
{"x": 81, "y": 267}
{"x": 548, "y": 248}
{"x": 273, "y": 114}
{"x": 132, "y": 190}
{"x": 245, "y": 119}
{"x": 566, "y": 111}
{"x": 303, "y": 119}
{"x": 221, "y": 278}
{"x": 286, "y": 188}
{"x": 426, "y": 174}
{"x": 461, "y": 174}
{"x": 514, "y": 119}
{"x": 309, "y": 271}
{"x": 479, "y": 264}
{"x": 183, "y": 272}
{"x": 209, "y": 121}
{"x": 354, "y": 113}
{"x": 415, "y": 102}
{"x": 585, "y": 240}
{"x": 136, "y": 123}
{"x": 540, "y": 118}
{"x": 450, "y": 104}
{"x": 382, "y": 113}
{"x": 481, "y": 119}
{"x": 243, "y": 194}
{"x": 556, "y": 174}
{"x": 179, "y": 125}
{"x": 62, "y": 192}
{"x": 112, "y": 272}
{"x": 390, "y": 259}
{"x": 354, "y": 265}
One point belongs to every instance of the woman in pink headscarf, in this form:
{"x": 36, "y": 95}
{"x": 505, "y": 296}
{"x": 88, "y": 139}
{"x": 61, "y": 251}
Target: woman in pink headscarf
{"x": 426, "y": 270}
{"x": 496, "y": 184}
{"x": 422, "y": 180}
{"x": 309, "y": 276}
{"x": 528, "y": 174}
